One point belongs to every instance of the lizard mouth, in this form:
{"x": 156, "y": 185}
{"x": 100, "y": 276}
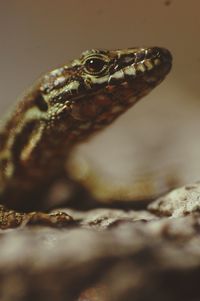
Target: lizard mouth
{"x": 149, "y": 64}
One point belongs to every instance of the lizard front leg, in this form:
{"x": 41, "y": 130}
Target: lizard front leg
{"x": 13, "y": 219}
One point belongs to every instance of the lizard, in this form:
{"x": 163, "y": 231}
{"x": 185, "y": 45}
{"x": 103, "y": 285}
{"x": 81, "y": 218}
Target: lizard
{"x": 64, "y": 107}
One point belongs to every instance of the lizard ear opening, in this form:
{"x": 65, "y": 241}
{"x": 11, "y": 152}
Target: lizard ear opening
{"x": 41, "y": 103}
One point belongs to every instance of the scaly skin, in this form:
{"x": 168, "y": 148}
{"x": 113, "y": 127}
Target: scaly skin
{"x": 66, "y": 106}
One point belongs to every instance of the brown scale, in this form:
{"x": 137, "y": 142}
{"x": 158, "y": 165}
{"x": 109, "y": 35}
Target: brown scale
{"x": 65, "y": 107}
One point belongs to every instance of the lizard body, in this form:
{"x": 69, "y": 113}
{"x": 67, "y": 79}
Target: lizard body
{"x": 66, "y": 106}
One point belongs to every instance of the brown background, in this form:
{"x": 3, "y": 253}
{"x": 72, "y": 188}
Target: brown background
{"x": 159, "y": 138}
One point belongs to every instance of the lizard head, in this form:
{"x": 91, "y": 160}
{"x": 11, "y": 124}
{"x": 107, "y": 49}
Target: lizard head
{"x": 104, "y": 68}
{"x": 94, "y": 89}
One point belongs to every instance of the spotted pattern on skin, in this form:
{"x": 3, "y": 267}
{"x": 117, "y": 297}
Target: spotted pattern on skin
{"x": 149, "y": 65}
{"x": 32, "y": 113}
{"x": 9, "y": 170}
{"x": 130, "y": 71}
{"x": 32, "y": 143}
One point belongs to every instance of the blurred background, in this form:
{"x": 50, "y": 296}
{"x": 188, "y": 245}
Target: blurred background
{"x": 155, "y": 145}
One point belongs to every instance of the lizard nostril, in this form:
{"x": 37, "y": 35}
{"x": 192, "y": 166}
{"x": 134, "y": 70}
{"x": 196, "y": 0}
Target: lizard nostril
{"x": 162, "y": 53}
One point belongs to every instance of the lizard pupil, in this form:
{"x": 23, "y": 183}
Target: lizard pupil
{"x": 94, "y": 65}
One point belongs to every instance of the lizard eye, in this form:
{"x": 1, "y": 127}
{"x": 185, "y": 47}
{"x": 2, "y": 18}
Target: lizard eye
{"x": 95, "y": 65}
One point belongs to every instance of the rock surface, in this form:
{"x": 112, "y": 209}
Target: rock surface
{"x": 179, "y": 202}
{"x": 110, "y": 255}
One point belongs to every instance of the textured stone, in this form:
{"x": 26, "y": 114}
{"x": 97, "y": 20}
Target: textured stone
{"x": 179, "y": 202}
{"x": 110, "y": 255}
